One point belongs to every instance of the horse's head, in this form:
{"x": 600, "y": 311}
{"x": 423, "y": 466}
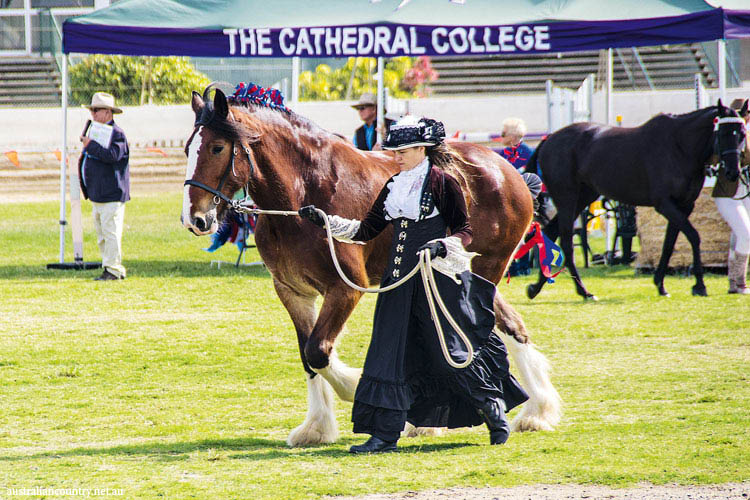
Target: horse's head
{"x": 219, "y": 162}
{"x": 730, "y": 134}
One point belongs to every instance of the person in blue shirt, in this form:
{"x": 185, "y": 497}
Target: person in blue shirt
{"x": 367, "y": 137}
{"x": 517, "y": 153}
{"x": 514, "y": 149}
{"x": 105, "y": 180}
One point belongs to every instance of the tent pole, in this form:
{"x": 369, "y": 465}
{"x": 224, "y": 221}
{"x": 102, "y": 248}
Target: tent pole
{"x": 63, "y": 154}
{"x": 722, "y": 70}
{"x": 610, "y": 77}
{"x": 295, "y": 81}
{"x": 381, "y": 98}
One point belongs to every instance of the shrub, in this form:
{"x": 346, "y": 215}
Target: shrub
{"x": 135, "y": 80}
{"x": 403, "y": 76}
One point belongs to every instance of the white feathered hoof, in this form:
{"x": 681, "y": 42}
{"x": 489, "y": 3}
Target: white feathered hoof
{"x": 319, "y": 426}
{"x": 411, "y": 431}
{"x": 312, "y": 432}
{"x": 535, "y": 416}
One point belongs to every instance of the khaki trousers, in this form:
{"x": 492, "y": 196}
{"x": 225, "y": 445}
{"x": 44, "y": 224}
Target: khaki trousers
{"x": 109, "y": 219}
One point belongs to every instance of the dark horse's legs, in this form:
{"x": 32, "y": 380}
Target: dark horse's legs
{"x": 565, "y": 218}
{"x": 678, "y": 221}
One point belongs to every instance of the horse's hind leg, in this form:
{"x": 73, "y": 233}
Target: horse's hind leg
{"x": 320, "y": 423}
{"x": 542, "y": 411}
{"x": 566, "y": 219}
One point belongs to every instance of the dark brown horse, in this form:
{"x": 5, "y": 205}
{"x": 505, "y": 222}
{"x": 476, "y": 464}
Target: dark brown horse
{"x": 660, "y": 164}
{"x": 286, "y": 162}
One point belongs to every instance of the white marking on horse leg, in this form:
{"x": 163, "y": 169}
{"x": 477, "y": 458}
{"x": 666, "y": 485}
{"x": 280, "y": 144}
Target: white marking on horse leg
{"x": 543, "y": 409}
{"x": 192, "y": 163}
{"x": 343, "y": 378}
{"x": 320, "y": 423}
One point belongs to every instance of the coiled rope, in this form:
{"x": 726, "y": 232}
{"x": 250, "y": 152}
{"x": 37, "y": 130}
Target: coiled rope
{"x": 424, "y": 266}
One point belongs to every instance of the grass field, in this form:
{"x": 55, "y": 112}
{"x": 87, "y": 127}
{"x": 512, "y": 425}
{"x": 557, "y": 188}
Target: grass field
{"x": 184, "y": 380}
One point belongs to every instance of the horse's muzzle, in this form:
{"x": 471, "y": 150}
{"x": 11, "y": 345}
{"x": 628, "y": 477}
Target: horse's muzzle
{"x": 201, "y": 225}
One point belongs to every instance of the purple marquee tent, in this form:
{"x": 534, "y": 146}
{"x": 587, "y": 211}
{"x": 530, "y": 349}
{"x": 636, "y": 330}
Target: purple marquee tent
{"x": 382, "y": 28}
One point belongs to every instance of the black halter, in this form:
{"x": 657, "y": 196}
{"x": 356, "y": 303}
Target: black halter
{"x": 218, "y": 195}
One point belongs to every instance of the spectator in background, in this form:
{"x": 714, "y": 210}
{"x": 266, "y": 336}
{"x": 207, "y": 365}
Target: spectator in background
{"x": 366, "y": 137}
{"x": 515, "y": 150}
{"x": 105, "y": 180}
{"x": 517, "y": 153}
{"x": 733, "y": 203}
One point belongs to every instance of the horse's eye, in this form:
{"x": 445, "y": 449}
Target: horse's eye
{"x": 217, "y": 149}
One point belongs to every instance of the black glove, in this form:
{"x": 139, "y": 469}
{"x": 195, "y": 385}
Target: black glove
{"x": 311, "y": 214}
{"x": 436, "y": 248}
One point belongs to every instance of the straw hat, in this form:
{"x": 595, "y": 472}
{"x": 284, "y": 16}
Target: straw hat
{"x": 366, "y": 99}
{"x": 103, "y": 100}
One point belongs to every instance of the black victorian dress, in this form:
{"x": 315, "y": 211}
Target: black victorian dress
{"x": 406, "y": 376}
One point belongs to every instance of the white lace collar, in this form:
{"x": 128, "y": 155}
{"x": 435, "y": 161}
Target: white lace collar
{"x": 405, "y": 192}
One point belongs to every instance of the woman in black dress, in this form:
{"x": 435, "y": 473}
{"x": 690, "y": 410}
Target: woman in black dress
{"x": 406, "y": 376}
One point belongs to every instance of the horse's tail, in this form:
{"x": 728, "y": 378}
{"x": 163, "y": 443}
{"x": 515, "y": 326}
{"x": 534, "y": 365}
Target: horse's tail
{"x": 532, "y": 165}
{"x": 543, "y": 409}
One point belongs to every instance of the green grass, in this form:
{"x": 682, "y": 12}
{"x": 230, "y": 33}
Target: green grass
{"x": 184, "y": 380}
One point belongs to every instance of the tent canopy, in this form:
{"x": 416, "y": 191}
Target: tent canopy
{"x": 331, "y": 28}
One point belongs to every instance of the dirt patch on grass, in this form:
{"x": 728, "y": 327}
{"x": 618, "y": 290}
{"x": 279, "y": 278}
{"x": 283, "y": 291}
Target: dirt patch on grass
{"x": 728, "y": 491}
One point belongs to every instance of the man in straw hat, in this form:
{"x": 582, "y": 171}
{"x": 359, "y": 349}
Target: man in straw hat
{"x": 105, "y": 180}
{"x": 366, "y": 137}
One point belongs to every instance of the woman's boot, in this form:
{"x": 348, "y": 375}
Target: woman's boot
{"x": 737, "y": 274}
{"x": 493, "y": 413}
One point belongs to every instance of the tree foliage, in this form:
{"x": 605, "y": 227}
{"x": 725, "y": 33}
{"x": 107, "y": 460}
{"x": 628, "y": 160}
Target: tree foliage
{"x": 136, "y": 80}
{"x": 404, "y": 77}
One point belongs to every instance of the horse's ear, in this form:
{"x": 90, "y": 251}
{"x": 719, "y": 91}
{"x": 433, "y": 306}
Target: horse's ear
{"x": 721, "y": 108}
{"x": 220, "y": 104}
{"x": 743, "y": 111}
{"x": 197, "y": 102}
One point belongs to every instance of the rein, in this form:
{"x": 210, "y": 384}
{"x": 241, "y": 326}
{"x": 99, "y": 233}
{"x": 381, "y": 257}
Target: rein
{"x": 424, "y": 266}
{"x": 218, "y": 195}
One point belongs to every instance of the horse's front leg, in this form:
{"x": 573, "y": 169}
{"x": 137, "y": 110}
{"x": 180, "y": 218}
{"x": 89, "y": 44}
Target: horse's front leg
{"x": 670, "y": 238}
{"x": 320, "y": 423}
{"x": 338, "y": 303}
{"x": 679, "y": 219}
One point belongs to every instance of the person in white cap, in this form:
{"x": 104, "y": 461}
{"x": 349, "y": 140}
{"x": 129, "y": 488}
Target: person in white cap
{"x": 406, "y": 376}
{"x": 105, "y": 180}
{"x": 366, "y": 137}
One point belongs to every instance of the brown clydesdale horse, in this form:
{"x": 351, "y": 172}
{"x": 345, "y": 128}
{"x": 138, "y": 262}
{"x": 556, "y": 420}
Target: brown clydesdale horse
{"x": 286, "y": 162}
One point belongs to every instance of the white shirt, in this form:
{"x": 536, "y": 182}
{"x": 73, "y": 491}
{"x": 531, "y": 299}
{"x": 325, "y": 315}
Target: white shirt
{"x": 405, "y": 190}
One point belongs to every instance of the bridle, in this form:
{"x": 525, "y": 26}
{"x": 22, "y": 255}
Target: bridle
{"x": 740, "y": 145}
{"x": 744, "y": 173}
{"x": 218, "y": 195}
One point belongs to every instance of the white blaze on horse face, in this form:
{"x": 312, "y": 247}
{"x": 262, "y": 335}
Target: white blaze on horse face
{"x": 192, "y": 163}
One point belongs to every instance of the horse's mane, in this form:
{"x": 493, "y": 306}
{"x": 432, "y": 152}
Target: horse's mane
{"x": 268, "y": 104}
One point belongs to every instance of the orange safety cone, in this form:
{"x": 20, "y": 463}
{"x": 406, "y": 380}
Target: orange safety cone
{"x": 13, "y": 157}
{"x": 58, "y": 154}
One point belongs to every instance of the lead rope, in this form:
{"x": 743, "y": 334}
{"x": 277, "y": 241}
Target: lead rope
{"x": 428, "y": 279}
